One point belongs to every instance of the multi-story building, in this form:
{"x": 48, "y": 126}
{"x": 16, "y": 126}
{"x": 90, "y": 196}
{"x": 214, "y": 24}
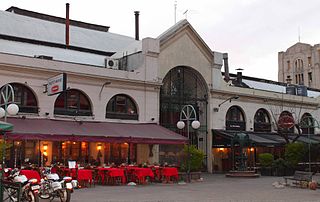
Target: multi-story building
{"x": 300, "y": 64}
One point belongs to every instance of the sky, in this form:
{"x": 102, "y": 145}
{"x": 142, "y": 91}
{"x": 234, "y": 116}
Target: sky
{"x": 252, "y": 32}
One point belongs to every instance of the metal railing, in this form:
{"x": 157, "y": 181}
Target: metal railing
{"x": 10, "y": 191}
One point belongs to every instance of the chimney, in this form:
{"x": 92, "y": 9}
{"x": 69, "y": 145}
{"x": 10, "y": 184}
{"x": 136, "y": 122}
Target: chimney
{"x": 67, "y": 24}
{"x": 226, "y": 67}
{"x": 136, "y": 13}
{"x": 239, "y": 75}
{"x": 288, "y": 80}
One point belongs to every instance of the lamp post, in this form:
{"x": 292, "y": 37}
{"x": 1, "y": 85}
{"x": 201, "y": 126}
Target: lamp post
{"x": 188, "y": 113}
{"x": 6, "y": 101}
{"x": 309, "y": 122}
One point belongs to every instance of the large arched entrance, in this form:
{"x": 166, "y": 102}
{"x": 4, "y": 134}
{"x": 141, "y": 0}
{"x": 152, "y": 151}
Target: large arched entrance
{"x": 183, "y": 86}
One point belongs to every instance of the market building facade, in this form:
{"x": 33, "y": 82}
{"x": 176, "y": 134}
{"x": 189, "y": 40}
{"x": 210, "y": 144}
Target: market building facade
{"x": 109, "y": 112}
{"x": 124, "y": 94}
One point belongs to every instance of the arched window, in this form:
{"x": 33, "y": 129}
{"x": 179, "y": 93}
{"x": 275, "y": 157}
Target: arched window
{"x": 262, "y": 121}
{"x": 307, "y": 124}
{"x": 299, "y": 65}
{"x": 24, "y": 98}
{"x": 182, "y": 86}
{"x": 235, "y": 119}
{"x": 286, "y": 122}
{"x": 72, "y": 102}
{"x": 121, "y": 107}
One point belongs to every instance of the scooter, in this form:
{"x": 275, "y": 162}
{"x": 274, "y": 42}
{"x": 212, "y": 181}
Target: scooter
{"x": 52, "y": 186}
{"x": 29, "y": 188}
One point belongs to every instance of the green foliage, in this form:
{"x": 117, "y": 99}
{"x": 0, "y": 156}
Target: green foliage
{"x": 280, "y": 163}
{"x": 7, "y": 146}
{"x": 195, "y": 160}
{"x": 266, "y": 159}
{"x": 294, "y": 153}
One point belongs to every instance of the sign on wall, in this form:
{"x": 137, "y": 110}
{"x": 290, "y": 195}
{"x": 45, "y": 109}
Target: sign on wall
{"x": 57, "y": 84}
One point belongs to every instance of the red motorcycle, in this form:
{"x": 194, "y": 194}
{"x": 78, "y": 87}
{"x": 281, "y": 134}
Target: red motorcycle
{"x": 29, "y": 188}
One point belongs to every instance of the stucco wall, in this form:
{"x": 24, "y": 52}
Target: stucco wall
{"x": 183, "y": 51}
{"x": 145, "y": 95}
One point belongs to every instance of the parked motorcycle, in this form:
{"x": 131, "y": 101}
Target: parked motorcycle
{"x": 29, "y": 188}
{"x": 52, "y": 186}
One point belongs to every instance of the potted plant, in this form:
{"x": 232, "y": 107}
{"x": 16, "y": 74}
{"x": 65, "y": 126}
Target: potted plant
{"x": 294, "y": 154}
{"x": 266, "y": 160}
{"x": 193, "y": 157}
{"x": 279, "y": 167}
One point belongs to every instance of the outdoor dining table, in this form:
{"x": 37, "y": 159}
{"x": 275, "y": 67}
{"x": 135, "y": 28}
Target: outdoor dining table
{"x": 140, "y": 174}
{"x": 71, "y": 172}
{"x": 85, "y": 175}
{"x": 168, "y": 172}
{"x": 110, "y": 175}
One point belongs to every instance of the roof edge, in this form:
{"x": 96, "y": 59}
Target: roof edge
{"x": 61, "y": 20}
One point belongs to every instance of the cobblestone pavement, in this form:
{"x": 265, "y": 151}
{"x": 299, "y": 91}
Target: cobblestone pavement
{"x": 214, "y": 187}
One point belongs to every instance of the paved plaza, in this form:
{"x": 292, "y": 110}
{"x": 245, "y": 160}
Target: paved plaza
{"x": 214, "y": 187}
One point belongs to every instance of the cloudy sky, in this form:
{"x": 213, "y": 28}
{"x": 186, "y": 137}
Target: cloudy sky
{"x": 252, "y": 32}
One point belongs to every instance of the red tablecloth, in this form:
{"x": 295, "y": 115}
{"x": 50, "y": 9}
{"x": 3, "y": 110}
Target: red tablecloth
{"x": 101, "y": 174}
{"x": 85, "y": 175}
{"x": 31, "y": 174}
{"x": 111, "y": 173}
{"x": 140, "y": 174}
{"x": 69, "y": 172}
{"x": 168, "y": 172}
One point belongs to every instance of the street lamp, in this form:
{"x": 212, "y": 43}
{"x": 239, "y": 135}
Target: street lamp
{"x": 7, "y": 102}
{"x": 188, "y": 113}
{"x": 309, "y": 122}
{"x": 229, "y": 99}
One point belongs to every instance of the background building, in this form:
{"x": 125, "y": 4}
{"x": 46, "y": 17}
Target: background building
{"x": 301, "y": 65}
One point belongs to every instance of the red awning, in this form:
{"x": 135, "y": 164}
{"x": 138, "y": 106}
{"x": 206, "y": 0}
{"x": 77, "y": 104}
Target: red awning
{"x": 61, "y": 130}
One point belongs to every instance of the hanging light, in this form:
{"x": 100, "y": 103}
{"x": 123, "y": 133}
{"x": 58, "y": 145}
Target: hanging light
{"x": 195, "y": 124}
{"x": 2, "y": 112}
{"x": 45, "y": 147}
{"x": 99, "y": 146}
{"x": 180, "y": 124}
{"x": 12, "y": 109}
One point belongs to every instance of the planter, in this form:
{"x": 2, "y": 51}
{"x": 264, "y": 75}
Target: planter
{"x": 266, "y": 171}
{"x": 193, "y": 176}
{"x": 279, "y": 171}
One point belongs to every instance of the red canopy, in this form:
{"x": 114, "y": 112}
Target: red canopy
{"x": 62, "y": 130}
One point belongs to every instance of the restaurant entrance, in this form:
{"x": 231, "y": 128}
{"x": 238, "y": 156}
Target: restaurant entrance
{"x": 45, "y": 153}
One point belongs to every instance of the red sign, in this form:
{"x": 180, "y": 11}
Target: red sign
{"x": 57, "y": 84}
{"x": 55, "y": 89}
{"x": 286, "y": 122}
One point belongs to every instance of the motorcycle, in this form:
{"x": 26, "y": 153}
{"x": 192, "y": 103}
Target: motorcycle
{"x": 29, "y": 188}
{"x": 52, "y": 186}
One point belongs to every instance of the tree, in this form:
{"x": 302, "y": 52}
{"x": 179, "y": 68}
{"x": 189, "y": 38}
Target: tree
{"x": 286, "y": 119}
{"x": 7, "y": 146}
{"x": 195, "y": 160}
{"x": 294, "y": 153}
